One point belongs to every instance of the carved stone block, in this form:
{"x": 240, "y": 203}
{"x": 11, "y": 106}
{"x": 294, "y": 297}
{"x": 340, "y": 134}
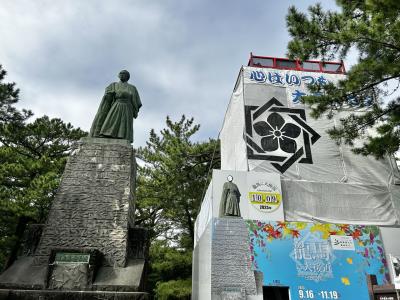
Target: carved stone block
{"x": 94, "y": 203}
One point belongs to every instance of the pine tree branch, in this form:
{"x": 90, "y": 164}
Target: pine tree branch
{"x": 376, "y": 118}
{"x": 16, "y": 149}
{"x": 369, "y": 86}
{"x": 387, "y": 45}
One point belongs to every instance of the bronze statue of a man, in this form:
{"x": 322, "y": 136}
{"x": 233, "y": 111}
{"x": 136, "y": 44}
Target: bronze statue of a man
{"x": 230, "y": 199}
{"x": 120, "y": 104}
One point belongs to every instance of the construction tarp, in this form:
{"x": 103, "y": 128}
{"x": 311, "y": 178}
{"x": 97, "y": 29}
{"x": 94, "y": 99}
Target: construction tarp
{"x": 268, "y": 129}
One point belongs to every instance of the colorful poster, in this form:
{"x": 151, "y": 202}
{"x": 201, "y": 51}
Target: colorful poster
{"x": 318, "y": 261}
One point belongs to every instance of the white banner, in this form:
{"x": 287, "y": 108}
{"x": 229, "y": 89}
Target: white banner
{"x": 296, "y": 82}
{"x": 259, "y": 195}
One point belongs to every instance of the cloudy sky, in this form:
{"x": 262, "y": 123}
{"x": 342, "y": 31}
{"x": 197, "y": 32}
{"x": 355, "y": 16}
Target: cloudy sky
{"x": 184, "y": 56}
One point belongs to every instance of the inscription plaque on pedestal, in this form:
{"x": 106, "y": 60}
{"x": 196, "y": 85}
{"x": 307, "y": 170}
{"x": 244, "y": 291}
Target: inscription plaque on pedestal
{"x": 65, "y": 257}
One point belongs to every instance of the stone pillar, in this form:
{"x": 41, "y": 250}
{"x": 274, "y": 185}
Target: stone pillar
{"x": 94, "y": 204}
{"x": 231, "y": 274}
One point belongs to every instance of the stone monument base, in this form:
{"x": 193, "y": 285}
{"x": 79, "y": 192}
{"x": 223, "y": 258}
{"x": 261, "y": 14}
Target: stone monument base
{"x": 23, "y": 274}
{"x": 89, "y": 247}
{"x": 69, "y": 295}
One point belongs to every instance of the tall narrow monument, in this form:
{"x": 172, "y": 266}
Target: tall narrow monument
{"x": 89, "y": 247}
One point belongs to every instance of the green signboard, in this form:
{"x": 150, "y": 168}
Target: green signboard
{"x": 70, "y": 257}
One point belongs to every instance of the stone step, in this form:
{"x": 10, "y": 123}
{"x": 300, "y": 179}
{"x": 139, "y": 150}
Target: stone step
{"x": 69, "y": 295}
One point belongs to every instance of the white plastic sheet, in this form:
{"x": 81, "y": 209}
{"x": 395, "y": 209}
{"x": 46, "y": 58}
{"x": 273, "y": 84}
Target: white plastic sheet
{"x": 205, "y": 215}
{"x": 233, "y": 146}
{"x": 363, "y": 187}
{"x": 337, "y": 203}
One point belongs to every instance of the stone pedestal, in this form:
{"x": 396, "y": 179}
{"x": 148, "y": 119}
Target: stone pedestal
{"x": 85, "y": 244}
{"x": 92, "y": 204}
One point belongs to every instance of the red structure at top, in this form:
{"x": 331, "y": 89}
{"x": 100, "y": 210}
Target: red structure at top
{"x": 295, "y": 64}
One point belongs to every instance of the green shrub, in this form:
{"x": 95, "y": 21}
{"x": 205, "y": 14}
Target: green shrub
{"x": 174, "y": 290}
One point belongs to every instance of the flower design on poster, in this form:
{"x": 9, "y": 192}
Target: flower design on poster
{"x": 277, "y": 134}
{"x": 261, "y": 233}
{"x": 349, "y": 260}
{"x": 345, "y": 281}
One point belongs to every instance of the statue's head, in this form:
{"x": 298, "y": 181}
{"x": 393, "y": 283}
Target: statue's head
{"x": 124, "y": 75}
{"x": 230, "y": 178}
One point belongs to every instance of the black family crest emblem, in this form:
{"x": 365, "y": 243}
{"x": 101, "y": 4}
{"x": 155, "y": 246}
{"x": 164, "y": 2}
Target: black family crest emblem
{"x": 279, "y": 134}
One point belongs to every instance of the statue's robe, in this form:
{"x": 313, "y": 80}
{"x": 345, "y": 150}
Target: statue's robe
{"x": 120, "y": 104}
{"x": 230, "y": 198}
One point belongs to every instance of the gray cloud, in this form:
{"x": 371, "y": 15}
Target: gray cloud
{"x": 184, "y": 56}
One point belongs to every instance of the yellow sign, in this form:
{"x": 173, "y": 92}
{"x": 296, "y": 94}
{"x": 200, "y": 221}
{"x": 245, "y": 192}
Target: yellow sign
{"x": 265, "y": 198}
